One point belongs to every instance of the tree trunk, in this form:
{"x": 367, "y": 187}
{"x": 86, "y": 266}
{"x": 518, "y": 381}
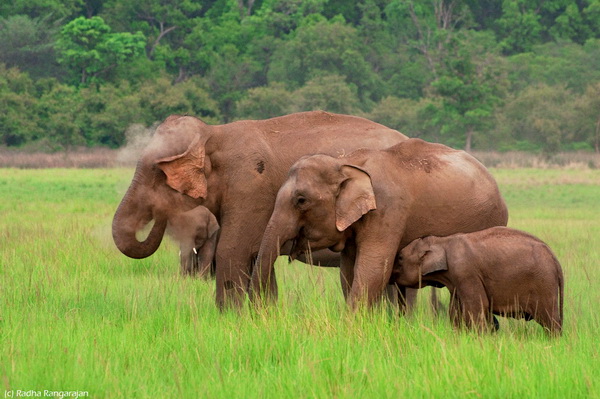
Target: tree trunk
{"x": 469, "y": 140}
{"x": 597, "y": 137}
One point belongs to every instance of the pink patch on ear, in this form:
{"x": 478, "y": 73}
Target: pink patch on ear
{"x": 185, "y": 172}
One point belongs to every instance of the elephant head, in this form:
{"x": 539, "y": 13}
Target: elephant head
{"x": 169, "y": 179}
{"x": 320, "y": 200}
{"x": 196, "y": 231}
{"x": 417, "y": 261}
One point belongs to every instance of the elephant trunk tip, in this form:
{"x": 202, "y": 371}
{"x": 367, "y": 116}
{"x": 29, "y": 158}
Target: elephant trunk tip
{"x": 126, "y": 241}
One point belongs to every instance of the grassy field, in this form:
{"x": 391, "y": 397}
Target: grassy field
{"x": 76, "y": 315}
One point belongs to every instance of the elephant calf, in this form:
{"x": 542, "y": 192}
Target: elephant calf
{"x": 494, "y": 271}
{"x": 196, "y": 231}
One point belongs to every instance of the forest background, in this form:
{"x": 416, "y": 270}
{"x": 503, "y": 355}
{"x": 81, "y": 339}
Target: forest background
{"x": 484, "y": 75}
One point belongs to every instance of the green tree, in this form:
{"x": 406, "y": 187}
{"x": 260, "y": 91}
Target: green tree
{"x": 28, "y": 44}
{"x": 90, "y": 50}
{"x": 470, "y": 86}
{"x": 279, "y": 18}
{"x": 107, "y": 111}
{"x": 58, "y": 108}
{"x": 541, "y": 115}
{"x": 525, "y": 23}
{"x": 560, "y": 63}
{"x": 160, "y": 98}
{"x": 265, "y": 102}
{"x": 519, "y": 27}
{"x": 408, "y": 116}
{"x": 587, "y": 118}
{"x": 328, "y": 93}
{"x": 18, "y": 121}
{"x": 57, "y": 9}
{"x": 428, "y": 26}
{"x": 321, "y": 49}
{"x": 230, "y": 76}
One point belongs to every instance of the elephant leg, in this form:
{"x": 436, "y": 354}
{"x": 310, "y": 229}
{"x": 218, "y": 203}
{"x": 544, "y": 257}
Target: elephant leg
{"x": 454, "y": 310}
{"x": 204, "y": 258}
{"x": 347, "y": 259}
{"x": 548, "y": 316}
{"x": 402, "y": 305}
{"x": 392, "y": 295}
{"x": 187, "y": 260}
{"x": 410, "y": 299}
{"x": 475, "y": 311}
{"x": 235, "y": 254}
{"x": 372, "y": 271}
{"x": 496, "y": 323}
{"x": 436, "y": 304}
{"x": 233, "y": 270}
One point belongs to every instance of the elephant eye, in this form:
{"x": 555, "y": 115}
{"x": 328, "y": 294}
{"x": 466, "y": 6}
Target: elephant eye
{"x": 300, "y": 201}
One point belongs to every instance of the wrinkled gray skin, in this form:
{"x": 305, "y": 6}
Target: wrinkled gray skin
{"x": 495, "y": 271}
{"x": 234, "y": 170}
{"x": 372, "y": 203}
{"x": 196, "y": 231}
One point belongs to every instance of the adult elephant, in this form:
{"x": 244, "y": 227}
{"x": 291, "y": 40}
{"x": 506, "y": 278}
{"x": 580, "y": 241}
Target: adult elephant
{"x": 234, "y": 170}
{"x": 372, "y": 203}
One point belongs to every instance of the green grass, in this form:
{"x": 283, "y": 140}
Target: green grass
{"x": 75, "y": 314}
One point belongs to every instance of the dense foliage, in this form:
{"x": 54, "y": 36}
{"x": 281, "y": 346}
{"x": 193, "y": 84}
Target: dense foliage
{"x": 494, "y": 74}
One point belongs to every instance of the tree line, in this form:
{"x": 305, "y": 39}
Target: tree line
{"x": 489, "y": 75}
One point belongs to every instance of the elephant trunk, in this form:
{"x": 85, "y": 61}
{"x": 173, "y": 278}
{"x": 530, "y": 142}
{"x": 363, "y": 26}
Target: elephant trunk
{"x": 263, "y": 276}
{"x": 125, "y": 224}
{"x": 205, "y": 257}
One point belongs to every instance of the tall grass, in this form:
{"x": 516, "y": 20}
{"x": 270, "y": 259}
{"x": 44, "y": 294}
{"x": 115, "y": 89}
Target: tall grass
{"x": 75, "y": 314}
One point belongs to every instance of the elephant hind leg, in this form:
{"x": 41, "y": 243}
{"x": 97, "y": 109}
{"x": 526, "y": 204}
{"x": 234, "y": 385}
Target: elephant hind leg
{"x": 549, "y": 318}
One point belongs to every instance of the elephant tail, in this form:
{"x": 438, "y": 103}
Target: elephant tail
{"x": 561, "y": 288}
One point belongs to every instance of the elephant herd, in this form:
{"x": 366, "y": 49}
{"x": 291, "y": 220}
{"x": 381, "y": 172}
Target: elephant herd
{"x": 236, "y": 196}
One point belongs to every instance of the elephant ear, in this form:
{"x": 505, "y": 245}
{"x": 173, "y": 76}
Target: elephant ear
{"x": 356, "y": 197}
{"x": 212, "y": 226}
{"x": 185, "y": 172}
{"x": 434, "y": 260}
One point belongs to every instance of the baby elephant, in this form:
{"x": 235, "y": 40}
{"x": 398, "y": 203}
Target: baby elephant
{"x": 494, "y": 271}
{"x": 196, "y": 231}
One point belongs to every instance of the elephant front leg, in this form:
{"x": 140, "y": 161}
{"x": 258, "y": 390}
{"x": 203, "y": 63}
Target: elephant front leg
{"x": 475, "y": 310}
{"x": 347, "y": 260}
{"x": 235, "y": 257}
{"x": 233, "y": 271}
{"x": 232, "y": 278}
{"x": 187, "y": 259}
{"x": 372, "y": 272}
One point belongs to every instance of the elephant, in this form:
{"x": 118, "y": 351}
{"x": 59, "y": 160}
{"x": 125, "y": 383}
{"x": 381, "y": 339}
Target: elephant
{"x": 371, "y": 203}
{"x": 196, "y": 231}
{"x": 235, "y": 171}
{"x": 499, "y": 271}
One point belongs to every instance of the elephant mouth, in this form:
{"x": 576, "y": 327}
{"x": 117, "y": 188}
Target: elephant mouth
{"x": 295, "y": 251}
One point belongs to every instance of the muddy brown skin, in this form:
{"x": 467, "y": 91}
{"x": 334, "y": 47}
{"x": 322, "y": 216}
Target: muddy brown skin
{"x": 234, "y": 170}
{"x": 495, "y": 271}
{"x": 371, "y": 203}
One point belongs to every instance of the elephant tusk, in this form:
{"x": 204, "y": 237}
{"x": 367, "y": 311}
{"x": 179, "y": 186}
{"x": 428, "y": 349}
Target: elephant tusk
{"x": 180, "y": 254}
{"x": 196, "y": 252}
